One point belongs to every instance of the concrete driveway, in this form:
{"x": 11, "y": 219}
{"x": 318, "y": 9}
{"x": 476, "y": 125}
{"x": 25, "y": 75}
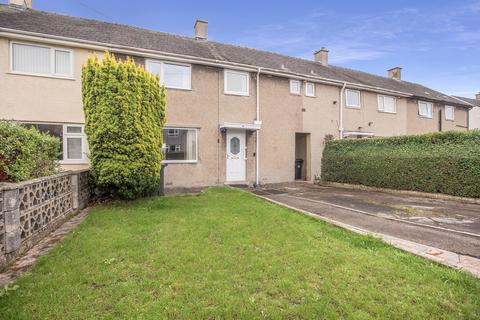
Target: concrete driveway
{"x": 443, "y": 224}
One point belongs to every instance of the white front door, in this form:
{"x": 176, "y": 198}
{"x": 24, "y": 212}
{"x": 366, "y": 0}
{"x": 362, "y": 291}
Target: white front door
{"x": 235, "y": 155}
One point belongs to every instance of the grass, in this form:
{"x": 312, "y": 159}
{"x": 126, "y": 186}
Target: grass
{"x": 226, "y": 254}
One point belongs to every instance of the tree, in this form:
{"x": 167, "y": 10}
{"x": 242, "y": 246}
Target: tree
{"x": 124, "y": 108}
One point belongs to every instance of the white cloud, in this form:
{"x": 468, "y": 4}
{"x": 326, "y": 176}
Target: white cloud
{"x": 475, "y": 7}
{"x": 367, "y": 36}
{"x": 348, "y": 53}
{"x": 468, "y": 36}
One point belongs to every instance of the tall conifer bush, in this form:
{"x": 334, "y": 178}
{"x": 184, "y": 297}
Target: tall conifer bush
{"x": 124, "y": 108}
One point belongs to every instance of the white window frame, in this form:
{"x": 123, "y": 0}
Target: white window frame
{"x": 174, "y": 134}
{"x": 161, "y": 76}
{"x": 383, "y": 96}
{"x": 348, "y": 104}
{"x": 306, "y": 91}
{"x": 196, "y": 146}
{"x": 299, "y": 85}
{"x": 81, "y": 135}
{"x": 52, "y": 73}
{"x": 430, "y": 116}
{"x": 236, "y": 93}
{"x": 453, "y": 113}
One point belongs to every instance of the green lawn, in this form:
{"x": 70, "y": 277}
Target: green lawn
{"x": 226, "y": 254}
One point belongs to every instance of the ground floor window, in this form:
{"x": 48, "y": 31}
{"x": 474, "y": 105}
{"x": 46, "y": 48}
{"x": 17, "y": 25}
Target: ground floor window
{"x": 72, "y": 140}
{"x": 180, "y": 145}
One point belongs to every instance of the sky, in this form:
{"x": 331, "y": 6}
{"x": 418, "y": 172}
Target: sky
{"x": 436, "y": 42}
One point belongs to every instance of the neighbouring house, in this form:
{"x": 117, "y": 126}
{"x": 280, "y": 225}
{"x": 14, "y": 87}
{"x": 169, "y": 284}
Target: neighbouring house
{"x": 235, "y": 114}
{"x": 474, "y": 114}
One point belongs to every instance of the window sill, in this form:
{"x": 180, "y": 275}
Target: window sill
{"x": 424, "y": 117}
{"x": 180, "y": 89}
{"x": 51, "y": 76}
{"x": 73, "y": 162}
{"x": 353, "y": 107}
{"x": 450, "y": 120}
{"x": 388, "y": 112}
{"x": 295, "y": 94}
{"x": 181, "y": 126}
{"x": 179, "y": 162}
{"x": 310, "y": 96}
{"x": 236, "y": 94}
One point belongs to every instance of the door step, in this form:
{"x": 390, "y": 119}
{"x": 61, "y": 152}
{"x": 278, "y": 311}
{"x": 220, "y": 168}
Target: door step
{"x": 238, "y": 184}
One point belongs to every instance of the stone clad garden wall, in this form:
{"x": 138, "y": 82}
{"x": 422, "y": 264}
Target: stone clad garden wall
{"x": 32, "y": 209}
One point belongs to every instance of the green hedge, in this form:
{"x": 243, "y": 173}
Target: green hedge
{"x": 124, "y": 108}
{"x": 447, "y": 162}
{"x": 26, "y": 153}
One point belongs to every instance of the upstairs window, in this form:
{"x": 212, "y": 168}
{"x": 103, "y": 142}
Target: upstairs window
{"x": 294, "y": 86}
{"x": 236, "y": 82}
{"x": 310, "y": 89}
{"x": 387, "y": 104}
{"x": 176, "y": 76}
{"x": 449, "y": 113}
{"x": 41, "y": 60}
{"x": 425, "y": 109}
{"x": 352, "y": 98}
{"x": 172, "y": 75}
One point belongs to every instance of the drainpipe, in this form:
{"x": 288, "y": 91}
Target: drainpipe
{"x": 342, "y": 92}
{"x": 257, "y": 133}
{"x": 440, "y": 128}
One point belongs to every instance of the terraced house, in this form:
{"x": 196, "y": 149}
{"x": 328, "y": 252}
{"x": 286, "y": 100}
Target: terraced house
{"x": 235, "y": 114}
{"x": 474, "y": 114}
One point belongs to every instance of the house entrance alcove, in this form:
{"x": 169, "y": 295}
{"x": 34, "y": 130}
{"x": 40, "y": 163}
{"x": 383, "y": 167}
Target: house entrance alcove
{"x": 302, "y": 156}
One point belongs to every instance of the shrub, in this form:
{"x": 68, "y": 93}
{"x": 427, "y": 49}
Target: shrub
{"x": 26, "y": 153}
{"x": 447, "y": 162}
{"x": 124, "y": 108}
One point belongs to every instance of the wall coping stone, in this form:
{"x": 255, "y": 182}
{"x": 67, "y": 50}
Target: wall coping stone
{"x": 15, "y": 185}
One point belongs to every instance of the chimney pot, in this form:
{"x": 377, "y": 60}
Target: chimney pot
{"x": 321, "y": 56}
{"x": 477, "y": 96}
{"x": 395, "y": 73}
{"x": 201, "y": 29}
{"x": 25, "y": 4}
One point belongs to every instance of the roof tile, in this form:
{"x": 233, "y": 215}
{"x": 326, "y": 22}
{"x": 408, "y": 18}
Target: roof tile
{"x": 123, "y": 35}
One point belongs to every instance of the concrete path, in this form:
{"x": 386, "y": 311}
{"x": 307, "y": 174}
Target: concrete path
{"x": 453, "y": 244}
{"x": 448, "y": 214}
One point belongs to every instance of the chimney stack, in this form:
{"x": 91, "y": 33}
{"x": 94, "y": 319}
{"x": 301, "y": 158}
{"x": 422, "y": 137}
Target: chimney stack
{"x": 201, "y": 29}
{"x": 25, "y": 4}
{"x": 477, "y": 96}
{"x": 395, "y": 73}
{"x": 321, "y": 56}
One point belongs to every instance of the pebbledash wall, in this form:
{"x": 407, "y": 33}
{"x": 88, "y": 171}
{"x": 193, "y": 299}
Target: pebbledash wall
{"x": 206, "y": 106}
{"x": 32, "y": 209}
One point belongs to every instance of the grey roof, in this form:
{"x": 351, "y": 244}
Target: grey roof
{"x": 116, "y": 34}
{"x": 475, "y": 102}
